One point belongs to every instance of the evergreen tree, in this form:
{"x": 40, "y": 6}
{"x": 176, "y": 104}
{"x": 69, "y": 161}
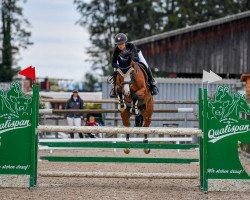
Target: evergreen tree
{"x": 106, "y": 18}
{"x": 98, "y": 17}
{"x": 139, "y": 18}
{"x": 143, "y": 18}
{"x": 13, "y": 37}
{"x": 182, "y": 13}
{"x": 90, "y": 81}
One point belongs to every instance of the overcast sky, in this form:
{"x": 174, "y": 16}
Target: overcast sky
{"x": 59, "y": 44}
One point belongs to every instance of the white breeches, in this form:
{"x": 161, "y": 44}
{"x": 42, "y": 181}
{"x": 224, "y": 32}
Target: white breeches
{"x": 74, "y": 121}
{"x": 142, "y": 59}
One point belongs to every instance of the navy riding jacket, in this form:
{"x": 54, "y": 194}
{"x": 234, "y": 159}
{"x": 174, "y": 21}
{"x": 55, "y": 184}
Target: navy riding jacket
{"x": 72, "y": 104}
{"x": 129, "y": 47}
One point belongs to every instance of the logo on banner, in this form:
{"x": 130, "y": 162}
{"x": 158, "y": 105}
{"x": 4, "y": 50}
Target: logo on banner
{"x": 227, "y": 110}
{"x": 15, "y": 109}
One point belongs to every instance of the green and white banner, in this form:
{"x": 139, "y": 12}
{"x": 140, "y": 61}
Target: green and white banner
{"x": 226, "y": 127}
{"x": 17, "y": 136}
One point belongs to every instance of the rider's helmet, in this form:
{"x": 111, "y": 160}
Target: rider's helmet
{"x": 120, "y": 38}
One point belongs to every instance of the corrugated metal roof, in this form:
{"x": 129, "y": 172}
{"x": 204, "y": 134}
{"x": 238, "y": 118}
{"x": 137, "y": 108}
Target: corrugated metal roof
{"x": 193, "y": 28}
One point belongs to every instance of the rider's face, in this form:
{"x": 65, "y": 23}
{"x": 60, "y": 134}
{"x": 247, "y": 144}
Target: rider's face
{"x": 75, "y": 94}
{"x": 121, "y": 46}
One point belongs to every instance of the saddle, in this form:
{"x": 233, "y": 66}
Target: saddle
{"x": 144, "y": 69}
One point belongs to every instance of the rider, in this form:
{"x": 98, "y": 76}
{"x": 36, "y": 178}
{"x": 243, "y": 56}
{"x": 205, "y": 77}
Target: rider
{"x": 122, "y": 45}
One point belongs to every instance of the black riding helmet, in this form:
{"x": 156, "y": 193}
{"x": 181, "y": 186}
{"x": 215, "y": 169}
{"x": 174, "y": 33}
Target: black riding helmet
{"x": 120, "y": 38}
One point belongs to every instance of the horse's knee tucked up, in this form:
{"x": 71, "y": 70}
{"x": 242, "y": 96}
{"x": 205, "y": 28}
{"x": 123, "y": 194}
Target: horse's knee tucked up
{"x": 119, "y": 91}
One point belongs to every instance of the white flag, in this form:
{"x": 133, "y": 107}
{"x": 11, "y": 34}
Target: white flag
{"x": 210, "y": 77}
{"x": 205, "y": 76}
{"x": 214, "y": 77}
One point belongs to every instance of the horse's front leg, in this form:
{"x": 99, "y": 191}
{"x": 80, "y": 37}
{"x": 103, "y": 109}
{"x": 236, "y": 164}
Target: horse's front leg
{"x": 147, "y": 121}
{"x": 140, "y": 94}
{"x": 134, "y": 105}
{"x": 121, "y": 106}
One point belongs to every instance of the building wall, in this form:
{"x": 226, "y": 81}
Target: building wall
{"x": 174, "y": 89}
{"x": 223, "y": 48}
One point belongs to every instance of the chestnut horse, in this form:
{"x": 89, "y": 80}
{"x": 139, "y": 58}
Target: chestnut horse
{"x": 134, "y": 96}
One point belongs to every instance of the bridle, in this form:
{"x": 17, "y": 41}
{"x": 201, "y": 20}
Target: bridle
{"x": 133, "y": 72}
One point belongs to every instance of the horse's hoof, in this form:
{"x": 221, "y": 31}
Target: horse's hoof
{"x": 126, "y": 151}
{"x": 146, "y": 151}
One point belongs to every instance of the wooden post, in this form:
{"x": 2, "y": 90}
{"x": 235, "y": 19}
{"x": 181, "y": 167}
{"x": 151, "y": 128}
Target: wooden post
{"x": 246, "y": 78}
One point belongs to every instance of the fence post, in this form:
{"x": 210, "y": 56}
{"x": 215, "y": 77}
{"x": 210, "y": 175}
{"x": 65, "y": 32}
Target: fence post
{"x": 34, "y": 136}
{"x": 205, "y": 140}
{"x": 201, "y": 138}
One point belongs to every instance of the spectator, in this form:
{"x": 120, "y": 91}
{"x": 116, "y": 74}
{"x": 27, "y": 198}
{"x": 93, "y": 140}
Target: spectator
{"x": 91, "y": 122}
{"x": 74, "y": 119}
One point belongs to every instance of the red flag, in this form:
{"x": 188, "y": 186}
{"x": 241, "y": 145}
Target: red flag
{"x": 29, "y": 72}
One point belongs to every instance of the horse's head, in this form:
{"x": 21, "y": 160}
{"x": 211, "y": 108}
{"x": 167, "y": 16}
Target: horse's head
{"x": 125, "y": 71}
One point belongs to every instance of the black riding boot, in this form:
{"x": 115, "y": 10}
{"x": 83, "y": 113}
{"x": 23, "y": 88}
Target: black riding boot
{"x": 112, "y": 92}
{"x": 153, "y": 88}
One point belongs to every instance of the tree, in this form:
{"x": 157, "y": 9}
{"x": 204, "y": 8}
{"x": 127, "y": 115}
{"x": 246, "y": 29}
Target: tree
{"x": 90, "y": 81}
{"x": 143, "y": 18}
{"x": 106, "y": 18}
{"x": 182, "y": 13}
{"x": 13, "y": 37}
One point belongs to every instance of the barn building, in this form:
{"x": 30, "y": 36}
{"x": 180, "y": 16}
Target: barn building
{"x": 222, "y": 45}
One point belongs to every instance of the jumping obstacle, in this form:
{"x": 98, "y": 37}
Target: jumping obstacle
{"x": 117, "y": 130}
{"x": 18, "y": 138}
{"x": 63, "y": 111}
{"x": 223, "y": 127}
{"x": 116, "y": 101}
{"x": 118, "y": 175}
{"x": 176, "y": 140}
{"x": 101, "y": 144}
{"x": 121, "y": 130}
{"x": 221, "y": 168}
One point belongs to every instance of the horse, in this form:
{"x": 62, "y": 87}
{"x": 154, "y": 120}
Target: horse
{"x": 134, "y": 96}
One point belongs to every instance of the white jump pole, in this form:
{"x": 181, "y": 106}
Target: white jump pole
{"x": 118, "y": 175}
{"x": 120, "y": 130}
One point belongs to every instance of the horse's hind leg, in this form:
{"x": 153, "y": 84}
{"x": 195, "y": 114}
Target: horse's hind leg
{"x": 138, "y": 120}
{"x": 145, "y": 140}
{"x": 139, "y": 123}
{"x": 147, "y": 121}
{"x": 127, "y": 150}
{"x": 125, "y": 120}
